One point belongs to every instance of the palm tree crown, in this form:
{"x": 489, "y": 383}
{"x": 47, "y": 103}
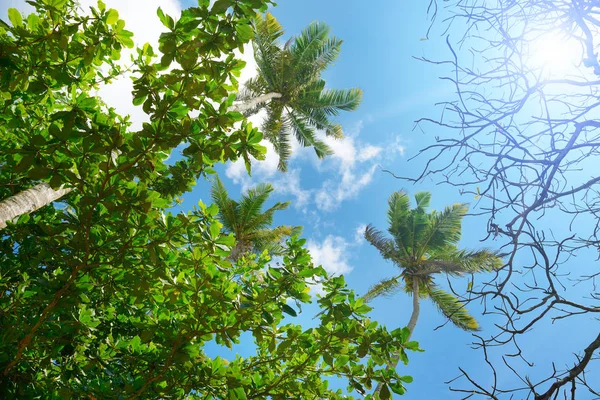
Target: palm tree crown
{"x": 422, "y": 245}
{"x": 290, "y": 88}
{"x": 249, "y": 225}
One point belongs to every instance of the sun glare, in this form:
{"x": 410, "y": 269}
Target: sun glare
{"x": 555, "y": 55}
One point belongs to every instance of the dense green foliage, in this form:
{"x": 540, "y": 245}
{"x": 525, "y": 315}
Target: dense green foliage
{"x": 294, "y": 71}
{"x": 107, "y": 293}
{"x": 422, "y": 245}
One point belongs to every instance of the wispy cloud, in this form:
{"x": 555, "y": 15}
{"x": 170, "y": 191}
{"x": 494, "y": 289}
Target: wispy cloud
{"x": 347, "y": 172}
{"x": 359, "y": 234}
{"x": 332, "y": 254}
{"x": 353, "y": 163}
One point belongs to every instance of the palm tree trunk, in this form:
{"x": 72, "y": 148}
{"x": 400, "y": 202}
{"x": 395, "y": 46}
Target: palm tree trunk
{"x": 416, "y": 309}
{"x": 250, "y": 104}
{"x": 28, "y": 201}
{"x": 411, "y": 327}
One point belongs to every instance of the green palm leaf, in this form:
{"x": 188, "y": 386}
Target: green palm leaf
{"x": 266, "y": 50}
{"x": 459, "y": 262}
{"x": 306, "y": 136}
{"x": 252, "y": 202}
{"x": 332, "y": 101}
{"x": 308, "y": 46}
{"x": 453, "y": 309}
{"x": 228, "y": 209}
{"x": 387, "y": 287}
{"x": 444, "y": 229}
{"x": 383, "y": 244}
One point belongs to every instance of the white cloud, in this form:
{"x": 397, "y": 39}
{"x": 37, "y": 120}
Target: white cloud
{"x": 332, "y": 255}
{"x": 353, "y": 164}
{"x": 359, "y": 233}
{"x": 349, "y": 170}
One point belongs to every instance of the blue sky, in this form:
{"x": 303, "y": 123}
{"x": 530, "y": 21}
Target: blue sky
{"x": 335, "y": 198}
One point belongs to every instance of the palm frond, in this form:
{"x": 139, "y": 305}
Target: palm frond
{"x": 459, "y": 262}
{"x": 328, "y": 52}
{"x": 265, "y": 219}
{"x": 228, "y": 209}
{"x": 384, "y": 245}
{"x": 423, "y": 199}
{"x": 252, "y": 202}
{"x": 332, "y": 101}
{"x": 453, "y": 309}
{"x": 306, "y": 135}
{"x": 398, "y": 218}
{"x": 387, "y": 287}
{"x": 444, "y": 229}
{"x": 307, "y": 46}
{"x": 266, "y": 49}
{"x": 320, "y": 120}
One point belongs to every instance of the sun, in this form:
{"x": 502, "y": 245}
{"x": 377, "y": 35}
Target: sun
{"x": 554, "y": 55}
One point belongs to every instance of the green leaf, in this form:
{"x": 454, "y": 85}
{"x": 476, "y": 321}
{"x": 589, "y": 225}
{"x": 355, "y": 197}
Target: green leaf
{"x": 165, "y": 19}
{"x": 15, "y": 17}
{"x": 385, "y": 394}
{"x": 289, "y": 310}
{"x": 124, "y": 37}
{"x": 112, "y": 16}
{"x": 220, "y": 6}
{"x": 245, "y": 32}
{"x": 215, "y": 230}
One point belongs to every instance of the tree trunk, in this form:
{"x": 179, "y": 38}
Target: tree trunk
{"x": 411, "y": 327}
{"x": 416, "y": 308}
{"x": 247, "y": 105}
{"x": 240, "y": 249}
{"x": 28, "y": 201}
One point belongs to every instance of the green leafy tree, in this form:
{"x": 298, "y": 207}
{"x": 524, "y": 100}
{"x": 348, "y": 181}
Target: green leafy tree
{"x": 250, "y": 226}
{"x": 105, "y": 293}
{"x": 289, "y": 86}
{"x": 422, "y": 245}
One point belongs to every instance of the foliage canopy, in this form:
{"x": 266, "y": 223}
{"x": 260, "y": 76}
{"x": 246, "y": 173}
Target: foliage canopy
{"x": 107, "y": 293}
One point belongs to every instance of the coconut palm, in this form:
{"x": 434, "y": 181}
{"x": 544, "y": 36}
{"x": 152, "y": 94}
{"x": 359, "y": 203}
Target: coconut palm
{"x": 422, "y": 245}
{"x": 289, "y": 87}
{"x": 249, "y": 225}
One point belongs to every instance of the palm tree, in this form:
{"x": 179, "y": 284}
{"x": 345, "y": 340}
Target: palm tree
{"x": 423, "y": 245}
{"x": 249, "y": 225}
{"x": 290, "y": 88}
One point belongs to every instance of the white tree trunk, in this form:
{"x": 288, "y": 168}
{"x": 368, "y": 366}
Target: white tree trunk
{"x": 247, "y": 105}
{"x": 28, "y": 201}
{"x": 412, "y": 323}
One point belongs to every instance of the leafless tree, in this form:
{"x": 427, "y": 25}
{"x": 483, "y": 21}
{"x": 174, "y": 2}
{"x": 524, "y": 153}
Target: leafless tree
{"x": 522, "y": 137}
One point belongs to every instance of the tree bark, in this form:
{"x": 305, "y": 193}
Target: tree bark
{"x": 247, "y": 105}
{"x": 414, "y": 317}
{"x": 28, "y": 201}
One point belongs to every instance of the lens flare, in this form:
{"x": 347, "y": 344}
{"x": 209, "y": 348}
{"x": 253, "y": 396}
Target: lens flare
{"x": 555, "y": 55}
